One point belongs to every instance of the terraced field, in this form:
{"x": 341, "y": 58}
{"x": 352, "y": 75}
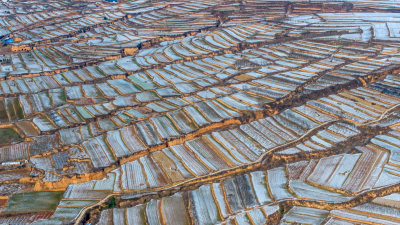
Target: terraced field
{"x": 200, "y": 112}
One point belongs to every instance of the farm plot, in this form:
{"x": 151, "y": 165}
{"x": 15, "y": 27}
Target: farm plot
{"x": 199, "y": 112}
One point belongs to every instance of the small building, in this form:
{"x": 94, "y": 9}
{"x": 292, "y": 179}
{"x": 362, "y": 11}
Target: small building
{"x": 8, "y": 41}
{"x": 14, "y": 164}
